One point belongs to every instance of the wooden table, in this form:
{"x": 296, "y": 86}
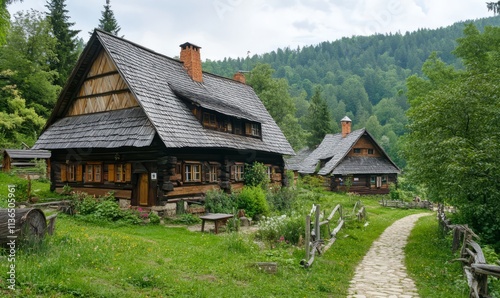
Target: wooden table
{"x": 219, "y": 219}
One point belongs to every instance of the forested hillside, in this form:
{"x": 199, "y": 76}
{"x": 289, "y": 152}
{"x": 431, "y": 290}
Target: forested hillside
{"x": 362, "y": 77}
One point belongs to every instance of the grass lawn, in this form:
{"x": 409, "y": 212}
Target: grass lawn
{"x": 429, "y": 262}
{"x": 103, "y": 259}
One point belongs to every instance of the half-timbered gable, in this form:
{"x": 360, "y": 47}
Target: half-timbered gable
{"x": 350, "y": 161}
{"x": 152, "y": 128}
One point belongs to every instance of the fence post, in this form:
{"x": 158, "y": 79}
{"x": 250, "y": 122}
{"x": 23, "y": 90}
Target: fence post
{"x": 308, "y": 237}
{"x": 317, "y": 230}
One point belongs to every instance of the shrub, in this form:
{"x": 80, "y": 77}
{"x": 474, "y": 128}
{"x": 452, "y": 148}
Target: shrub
{"x": 256, "y": 175}
{"x": 216, "y": 201}
{"x": 282, "y": 228}
{"x": 108, "y": 210}
{"x": 253, "y": 201}
{"x": 281, "y": 199}
{"x": 154, "y": 218}
{"x": 187, "y": 219}
{"x": 311, "y": 182}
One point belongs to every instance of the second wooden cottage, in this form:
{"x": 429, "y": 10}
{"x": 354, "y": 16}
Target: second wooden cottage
{"x": 152, "y": 128}
{"x": 349, "y": 161}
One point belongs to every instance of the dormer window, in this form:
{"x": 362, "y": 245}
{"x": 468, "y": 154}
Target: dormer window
{"x": 252, "y": 129}
{"x": 209, "y": 120}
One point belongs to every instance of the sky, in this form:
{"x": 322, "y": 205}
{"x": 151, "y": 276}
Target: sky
{"x": 237, "y": 28}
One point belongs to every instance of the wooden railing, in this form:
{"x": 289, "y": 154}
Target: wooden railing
{"x": 471, "y": 256}
{"x": 314, "y": 243}
{"x": 409, "y": 205}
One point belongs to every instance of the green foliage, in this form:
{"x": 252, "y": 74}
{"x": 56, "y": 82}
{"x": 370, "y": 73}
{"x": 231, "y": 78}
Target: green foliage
{"x": 154, "y": 218}
{"x": 67, "y": 42}
{"x": 253, "y": 200}
{"x": 318, "y": 120}
{"x": 186, "y": 219}
{"x": 217, "y": 201}
{"x": 311, "y": 182}
{"x": 281, "y": 199}
{"x": 452, "y": 146}
{"x": 281, "y": 229}
{"x": 108, "y": 22}
{"x": 256, "y": 175}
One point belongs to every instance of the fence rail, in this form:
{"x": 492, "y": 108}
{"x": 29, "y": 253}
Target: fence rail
{"x": 332, "y": 223}
{"x": 471, "y": 256}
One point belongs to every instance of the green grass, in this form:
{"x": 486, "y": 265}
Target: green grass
{"x": 84, "y": 259}
{"x": 429, "y": 262}
{"x": 39, "y": 189}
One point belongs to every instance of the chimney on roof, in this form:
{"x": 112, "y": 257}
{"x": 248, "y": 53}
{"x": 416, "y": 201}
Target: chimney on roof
{"x": 346, "y": 126}
{"x": 190, "y": 56}
{"x": 240, "y": 77}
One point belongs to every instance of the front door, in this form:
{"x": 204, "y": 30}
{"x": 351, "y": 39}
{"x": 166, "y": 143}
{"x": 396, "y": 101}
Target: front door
{"x": 143, "y": 189}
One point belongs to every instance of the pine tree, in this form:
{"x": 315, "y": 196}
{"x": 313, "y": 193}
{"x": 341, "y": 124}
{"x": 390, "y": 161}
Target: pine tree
{"x": 108, "y": 21}
{"x": 318, "y": 119}
{"x": 67, "y": 42}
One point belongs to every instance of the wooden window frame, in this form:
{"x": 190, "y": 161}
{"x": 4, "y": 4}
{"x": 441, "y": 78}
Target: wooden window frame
{"x": 93, "y": 172}
{"x": 371, "y": 151}
{"x": 239, "y": 170}
{"x": 190, "y": 173}
{"x": 255, "y": 130}
{"x": 209, "y": 120}
{"x": 71, "y": 172}
{"x": 357, "y": 150}
{"x": 213, "y": 174}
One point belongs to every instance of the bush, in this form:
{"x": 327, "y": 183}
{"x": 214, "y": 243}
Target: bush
{"x": 253, "y": 201}
{"x": 256, "y": 175}
{"x": 216, "y": 201}
{"x": 154, "y": 218}
{"x": 311, "y": 182}
{"x": 281, "y": 199}
{"x": 282, "y": 228}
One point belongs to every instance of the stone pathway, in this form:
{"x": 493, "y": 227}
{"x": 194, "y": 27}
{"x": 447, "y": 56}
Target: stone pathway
{"x": 382, "y": 273}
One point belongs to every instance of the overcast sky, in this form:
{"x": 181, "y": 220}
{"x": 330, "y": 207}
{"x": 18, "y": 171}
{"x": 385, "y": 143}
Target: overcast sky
{"x": 232, "y": 28}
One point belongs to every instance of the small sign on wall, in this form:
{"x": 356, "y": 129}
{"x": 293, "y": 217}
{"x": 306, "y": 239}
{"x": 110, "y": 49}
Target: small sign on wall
{"x": 356, "y": 179}
{"x": 153, "y": 176}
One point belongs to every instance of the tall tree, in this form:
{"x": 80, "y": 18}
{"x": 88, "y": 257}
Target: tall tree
{"x": 495, "y": 6}
{"x": 276, "y": 98}
{"x": 4, "y": 19}
{"x": 453, "y": 144}
{"x": 108, "y": 21}
{"x": 67, "y": 42}
{"x": 318, "y": 119}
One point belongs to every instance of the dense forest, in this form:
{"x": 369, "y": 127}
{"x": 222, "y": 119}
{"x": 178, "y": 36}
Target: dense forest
{"x": 363, "y": 77}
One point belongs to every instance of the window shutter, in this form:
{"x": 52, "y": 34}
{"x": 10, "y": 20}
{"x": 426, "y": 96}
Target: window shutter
{"x": 79, "y": 170}
{"x": 111, "y": 173}
{"x": 64, "y": 176}
{"x": 128, "y": 172}
{"x": 232, "y": 172}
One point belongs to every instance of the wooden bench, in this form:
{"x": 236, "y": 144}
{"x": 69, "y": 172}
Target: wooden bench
{"x": 219, "y": 219}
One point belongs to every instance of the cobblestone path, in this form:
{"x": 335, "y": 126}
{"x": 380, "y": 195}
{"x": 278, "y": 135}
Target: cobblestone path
{"x": 382, "y": 273}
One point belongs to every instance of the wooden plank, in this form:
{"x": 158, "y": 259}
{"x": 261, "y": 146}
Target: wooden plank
{"x": 333, "y": 212}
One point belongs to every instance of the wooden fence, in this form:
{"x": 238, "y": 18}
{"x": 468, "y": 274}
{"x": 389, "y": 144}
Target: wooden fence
{"x": 471, "y": 256}
{"x": 408, "y": 205}
{"x": 314, "y": 243}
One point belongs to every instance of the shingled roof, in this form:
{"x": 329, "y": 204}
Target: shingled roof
{"x": 27, "y": 153}
{"x": 162, "y": 88}
{"x": 332, "y": 153}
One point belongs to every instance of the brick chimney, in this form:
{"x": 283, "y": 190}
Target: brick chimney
{"x": 240, "y": 77}
{"x": 346, "y": 126}
{"x": 190, "y": 56}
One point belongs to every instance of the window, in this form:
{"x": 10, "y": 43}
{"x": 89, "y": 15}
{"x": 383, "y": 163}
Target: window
{"x": 120, "y": 173}
{"x": 270, "y": 173}
{"x": 357, "y": 150}
{"x": 372, "y": 180}
{"x": 192, "y": 173}
{"x": 370, "y": 151}
{"x": 238, "y": 172}
{"x": 255, "y": 130}
{"x": 209, "y": 120}
{"x": 93, "y": 173}
{"x": 213, "y": 174}
{"x": 71, "y": 172}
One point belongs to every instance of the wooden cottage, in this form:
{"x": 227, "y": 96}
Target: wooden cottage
{"x": 349, "y": 161}
{"x": 153, "y": 129}
{"x": 23, "y": 158}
